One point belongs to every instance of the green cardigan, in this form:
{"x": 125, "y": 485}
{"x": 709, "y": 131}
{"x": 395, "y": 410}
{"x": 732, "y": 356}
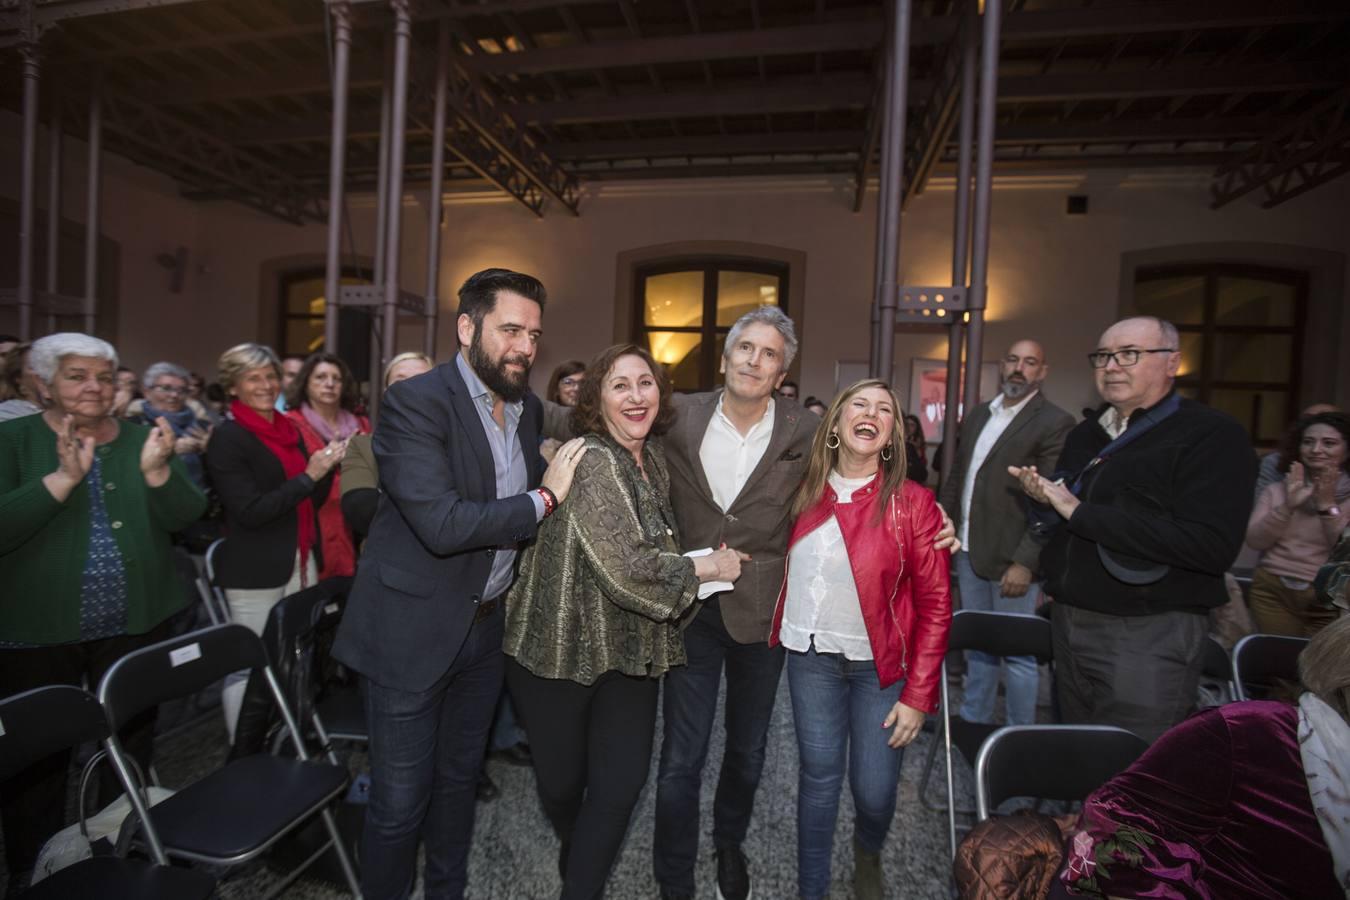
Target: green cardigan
{"x": 44, "y": 544}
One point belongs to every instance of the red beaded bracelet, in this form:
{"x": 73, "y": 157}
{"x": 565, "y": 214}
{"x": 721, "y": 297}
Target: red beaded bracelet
{"x": 550, "y": 501}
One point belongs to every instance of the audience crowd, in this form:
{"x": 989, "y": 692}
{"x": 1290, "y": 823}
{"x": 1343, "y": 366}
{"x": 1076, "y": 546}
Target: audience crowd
{"x": 542, "y": 577}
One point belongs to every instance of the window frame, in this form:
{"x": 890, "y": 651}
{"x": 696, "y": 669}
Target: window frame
{"x": 1204, "y": 382}
{"x": 708, "y": 330}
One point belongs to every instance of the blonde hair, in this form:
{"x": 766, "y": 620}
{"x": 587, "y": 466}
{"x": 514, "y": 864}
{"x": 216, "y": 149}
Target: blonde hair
{"x": 237, "y": 360}
{"x": 823, "y": 457}
{"x": 1324, "y": 666}
{"x": 406, "y": 357}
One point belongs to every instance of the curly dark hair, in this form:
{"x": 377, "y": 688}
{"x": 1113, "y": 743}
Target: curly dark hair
{"x": 349, "y": 399}
{"x": 588, "y": 415}
{"x": 1293, "y": 438}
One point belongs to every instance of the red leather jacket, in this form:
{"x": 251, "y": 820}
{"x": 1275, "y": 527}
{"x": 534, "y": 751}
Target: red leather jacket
{"x": 904, "y": 585}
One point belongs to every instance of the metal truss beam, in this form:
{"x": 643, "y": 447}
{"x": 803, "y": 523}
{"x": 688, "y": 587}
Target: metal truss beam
{"x": 1307, "y": 153}
{"x": 713, "y": 145}
{"x": 491, "y": 140}
{"x": 730, "y": 101}
{"x": 205, "y": 162}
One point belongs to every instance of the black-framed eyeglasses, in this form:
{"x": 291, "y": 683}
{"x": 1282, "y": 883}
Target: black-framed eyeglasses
{"x": 1123, "y": 358}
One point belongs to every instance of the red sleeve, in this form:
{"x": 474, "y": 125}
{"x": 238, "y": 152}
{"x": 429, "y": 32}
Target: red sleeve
{"x": 931, "y": 594}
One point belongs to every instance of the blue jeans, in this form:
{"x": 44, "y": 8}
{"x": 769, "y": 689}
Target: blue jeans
{"x": 982, "y": 670}
{"x": 426, "y": 749}
{"x": 838, "y": 708}
{"x": 689, "y": 705}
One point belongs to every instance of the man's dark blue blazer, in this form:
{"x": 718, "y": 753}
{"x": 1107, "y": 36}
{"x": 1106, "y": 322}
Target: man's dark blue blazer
{"x": 430, "y": 549}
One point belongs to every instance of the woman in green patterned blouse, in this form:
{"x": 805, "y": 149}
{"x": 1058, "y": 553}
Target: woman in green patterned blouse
{"x": 594, "y": 618}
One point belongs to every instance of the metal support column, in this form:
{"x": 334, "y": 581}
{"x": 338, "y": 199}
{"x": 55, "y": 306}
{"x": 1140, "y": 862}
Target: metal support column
{"x": 53, "y": 206}
{"x": 397, "y": 120}
{"x": 960, "y": 234}
{"x": 93, "y": 209}
{"x": 434, "y": 206}
{"x": 883, "y": 180}
{"x": 984, "y": 173}
{"x": 898, "y": 95}
{"x": 381, "y": 209}
{"x": 337, "y": 172}
{"x": 31, "y": 75}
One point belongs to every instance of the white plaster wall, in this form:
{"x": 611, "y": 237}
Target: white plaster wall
{"x": 1052, "y": 277}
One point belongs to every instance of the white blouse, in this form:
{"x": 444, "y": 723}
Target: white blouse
{"x": 822, "y": 600}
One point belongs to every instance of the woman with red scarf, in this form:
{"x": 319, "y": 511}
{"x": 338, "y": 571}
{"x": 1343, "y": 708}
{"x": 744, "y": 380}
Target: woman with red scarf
{"x": 322, "y": 402}
{"x": 270, "y": 491}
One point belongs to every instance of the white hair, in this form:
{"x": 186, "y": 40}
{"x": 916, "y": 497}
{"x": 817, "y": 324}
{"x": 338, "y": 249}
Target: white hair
{"x": 46, "y": 355}
{"x": 776, "y": 319}
{"x": 160, "y": 369}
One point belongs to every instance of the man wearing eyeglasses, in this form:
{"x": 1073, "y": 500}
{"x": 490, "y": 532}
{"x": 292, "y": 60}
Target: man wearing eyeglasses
{"x": 1145, "y": 512}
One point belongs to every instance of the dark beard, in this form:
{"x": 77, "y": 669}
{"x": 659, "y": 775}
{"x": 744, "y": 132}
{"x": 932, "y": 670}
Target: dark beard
{"x": 493, "y": 374}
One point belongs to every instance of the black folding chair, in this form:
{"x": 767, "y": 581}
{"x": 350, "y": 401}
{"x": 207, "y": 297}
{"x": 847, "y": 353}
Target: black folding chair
{"x": 1050, "y": 762}
{"x": 1262, "y": 661}
{"x": 47, "y": 720}
{"x": 213, "y": 597}
{"x": 297, "y": 637}
{"x": 997, "y": 634}
{"x": 237, "y": 812}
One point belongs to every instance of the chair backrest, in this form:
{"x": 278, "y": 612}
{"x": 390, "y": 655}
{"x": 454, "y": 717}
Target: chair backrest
{"x": 40, "y": 722}
{"x": 1001, "y": 634}
{"x": 210, "y": 555}
{"x": 1214, "y": 662}
{"x": 1261, "y": 660}
{"x": 176, "y": 668}
{"x": 1050, "y": 762}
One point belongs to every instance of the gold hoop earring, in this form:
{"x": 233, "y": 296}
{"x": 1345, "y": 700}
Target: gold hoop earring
{"x": 887, "y": 453}
{"x": 835, "y": 436}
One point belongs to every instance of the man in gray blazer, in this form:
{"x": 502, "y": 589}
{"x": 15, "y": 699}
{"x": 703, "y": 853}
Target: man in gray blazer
{"x": 997, "y": 569}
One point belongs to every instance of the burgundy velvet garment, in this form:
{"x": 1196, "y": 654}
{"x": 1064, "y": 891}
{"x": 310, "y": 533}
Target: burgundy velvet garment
{"x": 1217, "y": 808}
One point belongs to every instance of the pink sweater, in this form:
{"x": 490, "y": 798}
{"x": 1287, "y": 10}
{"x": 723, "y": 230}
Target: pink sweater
{"x": 1295, "y": 544}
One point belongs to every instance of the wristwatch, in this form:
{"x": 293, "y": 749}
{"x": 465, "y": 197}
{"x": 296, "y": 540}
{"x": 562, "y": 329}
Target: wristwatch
{"x": 1330, "y": 512}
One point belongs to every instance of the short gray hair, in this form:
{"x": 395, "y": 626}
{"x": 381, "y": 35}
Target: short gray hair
{"x": 160, "y": 369}
{"x": 776, "y": 319}
{"x": 46, "y": 355}
{"x": 237, "y": 360}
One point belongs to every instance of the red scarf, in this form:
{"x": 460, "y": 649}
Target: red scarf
{"x": 282, "y": 437}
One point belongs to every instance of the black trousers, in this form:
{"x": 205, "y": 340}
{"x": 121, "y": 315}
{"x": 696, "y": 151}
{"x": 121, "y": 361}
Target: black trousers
{"x": 1139, "y": 673}
{"x": 33, "y": 802}
{"x": 592, "y": 749}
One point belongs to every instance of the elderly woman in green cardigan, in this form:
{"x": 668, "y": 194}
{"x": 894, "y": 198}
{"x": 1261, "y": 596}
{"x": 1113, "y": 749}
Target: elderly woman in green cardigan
{"x": 87, "y": 507}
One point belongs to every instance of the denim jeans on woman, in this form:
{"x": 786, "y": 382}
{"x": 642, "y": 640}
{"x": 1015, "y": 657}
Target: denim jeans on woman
{"x": 838, "y": 707}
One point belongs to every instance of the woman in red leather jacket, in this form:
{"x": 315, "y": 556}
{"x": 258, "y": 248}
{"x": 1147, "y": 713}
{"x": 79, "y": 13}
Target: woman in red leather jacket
{"x": 864, "y": 613}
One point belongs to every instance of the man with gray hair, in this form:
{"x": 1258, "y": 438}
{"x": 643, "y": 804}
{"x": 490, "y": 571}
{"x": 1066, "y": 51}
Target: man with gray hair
{"x": 736, "y": 456}
{"x": 1147, "y": 510}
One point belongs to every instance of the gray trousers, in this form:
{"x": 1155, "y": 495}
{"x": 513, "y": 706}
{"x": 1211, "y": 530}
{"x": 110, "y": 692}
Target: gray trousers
{"x": 1134, "y": 672}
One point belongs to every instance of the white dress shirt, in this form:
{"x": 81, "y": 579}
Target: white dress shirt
{"x": 1000, "y": 417}
{"x": 729, "y": 457}
{"x": 822, "y": 598}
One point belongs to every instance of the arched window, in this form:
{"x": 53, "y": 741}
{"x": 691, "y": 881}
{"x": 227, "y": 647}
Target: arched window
{"x": 1241, "y": 333}
{"x": 684, "y": 307}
